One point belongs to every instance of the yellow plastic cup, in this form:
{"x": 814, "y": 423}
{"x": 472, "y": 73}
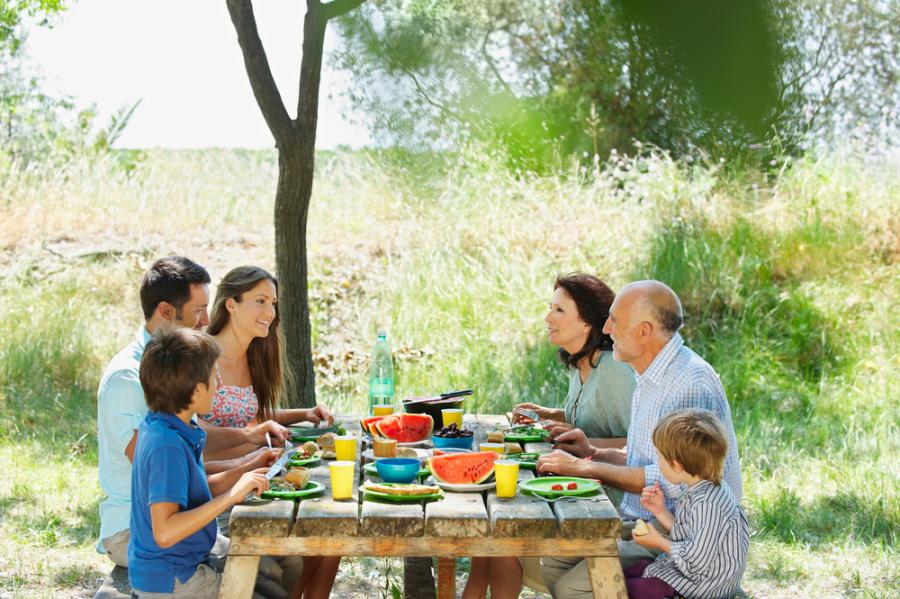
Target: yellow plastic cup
{"x": 341, "y": 479}
{"x": 345, "y": 448}
{"x": 507, "y": 475}
{"x": 382, "y": 410}
{"x": 498, "y": 447}
{"x": 451, "y": 416}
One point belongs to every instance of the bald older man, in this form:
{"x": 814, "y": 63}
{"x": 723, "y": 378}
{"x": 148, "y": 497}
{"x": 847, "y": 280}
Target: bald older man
{"x": 643, "y": 322}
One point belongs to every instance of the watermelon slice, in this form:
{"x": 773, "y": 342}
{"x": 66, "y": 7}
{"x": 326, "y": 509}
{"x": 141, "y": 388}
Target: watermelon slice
{"x": 405, "y": 428}
{"x": 463, "y": 468}
{"x": 366, "y": 423}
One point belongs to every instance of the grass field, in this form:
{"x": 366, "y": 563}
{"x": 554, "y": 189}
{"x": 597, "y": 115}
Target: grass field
{"x": 790, "y": 285}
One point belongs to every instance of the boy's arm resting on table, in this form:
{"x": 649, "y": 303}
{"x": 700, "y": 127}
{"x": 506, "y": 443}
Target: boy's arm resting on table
{"x": 171, "y": 525}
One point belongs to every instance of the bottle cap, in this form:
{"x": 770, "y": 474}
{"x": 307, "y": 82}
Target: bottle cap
{"x": 382, "y": 332}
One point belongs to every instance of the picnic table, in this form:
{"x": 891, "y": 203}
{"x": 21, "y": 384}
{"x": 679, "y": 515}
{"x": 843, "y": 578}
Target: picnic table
{"x": 460, "y": 525}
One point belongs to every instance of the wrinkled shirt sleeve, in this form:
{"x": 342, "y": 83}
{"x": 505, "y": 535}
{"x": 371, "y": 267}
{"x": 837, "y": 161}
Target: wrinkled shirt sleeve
{"x": 123, "y": 407}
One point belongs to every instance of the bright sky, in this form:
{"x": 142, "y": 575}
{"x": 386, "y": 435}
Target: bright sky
{"x": 182, "y": 58}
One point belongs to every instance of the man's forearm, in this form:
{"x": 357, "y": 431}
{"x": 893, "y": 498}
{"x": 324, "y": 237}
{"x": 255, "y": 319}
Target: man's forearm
{"x": 630, "y": 480}
{"x": 610, "y": 443}
{"x": 617, "y": 456}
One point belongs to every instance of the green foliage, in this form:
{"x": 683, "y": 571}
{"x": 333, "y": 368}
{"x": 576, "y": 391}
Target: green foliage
{"x": 548, "y": 80}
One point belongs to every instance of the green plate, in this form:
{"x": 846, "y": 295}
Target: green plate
{"x": 524, "y": 463}
{"x": 371, "y": 469}
{"x": 305, "y": 433}
{"x": 542, "y": 486}
{"x": 305, "y": 461}
{"x": 526, "y": 435}
{"x": 311, "y": 488}
{"x": 400, "y": 498}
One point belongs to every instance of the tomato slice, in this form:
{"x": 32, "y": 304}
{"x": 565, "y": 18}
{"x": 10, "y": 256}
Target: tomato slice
{"x": 557, "y": 487}
{"x": 572, "y": 486}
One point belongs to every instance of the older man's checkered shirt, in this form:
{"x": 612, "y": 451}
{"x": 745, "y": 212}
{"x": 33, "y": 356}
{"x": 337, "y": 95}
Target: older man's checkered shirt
{"x": 677, "y": 379}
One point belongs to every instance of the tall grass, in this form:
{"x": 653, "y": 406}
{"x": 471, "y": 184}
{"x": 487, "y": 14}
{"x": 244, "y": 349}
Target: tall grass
{"x": 790, "y": 289}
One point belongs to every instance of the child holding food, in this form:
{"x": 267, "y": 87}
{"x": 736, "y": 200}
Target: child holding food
{"x": 706, "y": 553}
{"x": 173, "y": 513}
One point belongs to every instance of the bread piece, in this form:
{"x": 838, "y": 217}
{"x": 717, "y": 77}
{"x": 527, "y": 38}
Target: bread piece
{"x": 513, "y": 448}
{"x": 310, "y": 448}
{"x": 640, "y": 528}
{"x": 326, "y": 442}
{"x": 299, "y": 477}
{"x": 495, "y": 436}
{"x": 407, "y": 452}
{"x": 384, "y": 448}
{"x": 410, "y": 489}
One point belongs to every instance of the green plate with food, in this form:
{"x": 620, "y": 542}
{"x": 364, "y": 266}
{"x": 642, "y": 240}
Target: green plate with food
{"x": 279, "y": 489}
{"x": 401, "y": 492}
{"x": 401, "y": 498}
{"x": 526, "y": 460}
{"x": 528, "y": 434}
{"x": 308, "y": 433}
{"x": 305, "y": 460}
{"x": 559, "y": 486}
{"x": 372, "y": 470}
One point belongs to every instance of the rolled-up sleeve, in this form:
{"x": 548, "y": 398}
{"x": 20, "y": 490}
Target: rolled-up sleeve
{"x": 122, "y": 407}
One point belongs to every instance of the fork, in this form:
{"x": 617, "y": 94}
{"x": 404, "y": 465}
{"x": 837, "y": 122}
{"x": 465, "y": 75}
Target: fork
{"x": 594, "y": 498}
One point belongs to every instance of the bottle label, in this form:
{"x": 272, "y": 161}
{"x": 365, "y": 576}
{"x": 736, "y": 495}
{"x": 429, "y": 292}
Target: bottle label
{"x": 381, "y": 388}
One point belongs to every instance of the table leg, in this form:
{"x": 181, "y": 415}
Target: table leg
{"x": 607, "y": 579}
{"x": 446, "y": 578}
{"x": 240, "y": 577}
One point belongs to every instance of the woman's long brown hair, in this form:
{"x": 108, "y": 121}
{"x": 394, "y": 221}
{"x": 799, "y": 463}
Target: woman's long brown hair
{"x": 265, "y": 355}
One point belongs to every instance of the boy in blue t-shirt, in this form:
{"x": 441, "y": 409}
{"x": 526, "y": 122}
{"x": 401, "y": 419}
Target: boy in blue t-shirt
{"x": 173, "y": 525}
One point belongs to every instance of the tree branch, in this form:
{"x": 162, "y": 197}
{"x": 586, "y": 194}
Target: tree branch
{"x": 258, "y": 71}
{"x": 337, "y": 8}
{"x": 491, "y": 65}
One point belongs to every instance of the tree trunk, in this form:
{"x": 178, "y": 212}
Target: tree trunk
{"x": 296, "y": 143}
{"x": 295, "y": 171}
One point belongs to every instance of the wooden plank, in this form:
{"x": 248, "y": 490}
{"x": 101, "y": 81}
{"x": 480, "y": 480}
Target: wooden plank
{"x": 323, "y": 515}
{"x": 520, "y": 516}
{"x": 446, "y": 578}
{"x": 240, "y": 577}
{"x": 607, "y": 579}
{"x": 383, "y": 519}
{"x": 265, "y": 519}
{"x": 594, "y": 517}
{"x": 457, "y": 515}
{"x": 422, "y": 546}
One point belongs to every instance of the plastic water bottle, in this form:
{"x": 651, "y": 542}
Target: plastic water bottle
{"x": 381, "y": 373}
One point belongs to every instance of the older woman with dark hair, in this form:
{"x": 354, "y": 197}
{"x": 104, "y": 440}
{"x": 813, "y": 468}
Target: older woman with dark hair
{"x": 598, "y": 402}
{"x": 600, "y": 388}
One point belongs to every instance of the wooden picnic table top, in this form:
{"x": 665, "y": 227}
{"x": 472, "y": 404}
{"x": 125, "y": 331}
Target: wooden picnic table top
{"x": 461, "y": 524}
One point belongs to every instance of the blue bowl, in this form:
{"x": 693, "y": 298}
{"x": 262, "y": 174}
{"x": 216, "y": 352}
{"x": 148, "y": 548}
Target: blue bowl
{"x": 398, "y": 470}
{"x": 452, "y": 442}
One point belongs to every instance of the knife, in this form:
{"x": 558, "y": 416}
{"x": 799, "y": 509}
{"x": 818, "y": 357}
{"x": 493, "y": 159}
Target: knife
{"x": 280, "y": 463}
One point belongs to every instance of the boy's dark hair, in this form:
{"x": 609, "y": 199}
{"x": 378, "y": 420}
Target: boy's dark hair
{"x": 695, "y": 439}
{"x": 169, "y": 280}
{"x": 173, "y": 364}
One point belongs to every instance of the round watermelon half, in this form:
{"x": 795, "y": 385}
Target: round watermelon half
{"x": 405, "y": 428}
{"x": 463, "y": 468}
